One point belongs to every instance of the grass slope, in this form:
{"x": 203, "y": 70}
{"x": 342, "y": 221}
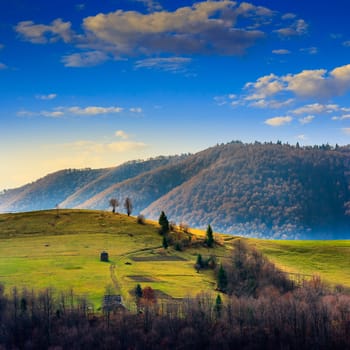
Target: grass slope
{"x": 328, "y": 259}
{"x": 41, "y": 249}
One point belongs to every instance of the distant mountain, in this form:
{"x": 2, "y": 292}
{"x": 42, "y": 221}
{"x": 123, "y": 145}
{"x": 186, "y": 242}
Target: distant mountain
{"x": 261, "y": 190}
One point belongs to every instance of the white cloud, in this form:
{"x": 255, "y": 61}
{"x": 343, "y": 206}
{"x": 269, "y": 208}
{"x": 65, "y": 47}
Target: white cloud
{"x": 52, "y": 114}
{"x": 135, "y": 110}
{"x": 94, "y": 110}
{"x": 122, "y": 134}
{"x": 281, "y": 52}
{"x": 151, "y": 5}
{"x": 93, "y": 147}
{"x": 298, "y": 27}
{"x": 206, "y": 27}
{"x": 85, "y": 59}
{"x": 278, "y": 121}
{"x": 46, "y": 97}
{"x": 170, "y": 64}
{"x": 317, "y": 108}
{"x": 2, "y": 66}
{"x": 346, "y": 43}
{"x": 289, "y": 16}
{"x": 310, "y": 50}
{"x": 302, "y": 137}
{"x": 271, "y": 103}
{"x": 42, "y": 34}
{"x": 60, "y": 112}
{"x": 306, "y": 120}
{"x": 265, "y": 86}
{"x": 317, "y": 84}
{"x": 343, "y": 117}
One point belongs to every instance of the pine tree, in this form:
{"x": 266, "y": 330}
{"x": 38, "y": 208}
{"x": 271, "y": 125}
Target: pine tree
{"x": 164, "y": 223}
{"x": 209, "y": 237}
{"x": 199, "y": 261}
{"x": 138, "y": 291}
{"x": 222, "y": 279}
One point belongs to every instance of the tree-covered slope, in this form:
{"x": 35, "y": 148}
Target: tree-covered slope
{"x": 112, "y": 178}
{"x": 48, "y": 191}
{"x": 266, "y": 190}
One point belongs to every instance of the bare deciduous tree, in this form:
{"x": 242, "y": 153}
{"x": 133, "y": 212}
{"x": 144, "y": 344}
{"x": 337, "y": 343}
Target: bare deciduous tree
{"x": 113, "y": 202}
{"x": 128, "y": 205}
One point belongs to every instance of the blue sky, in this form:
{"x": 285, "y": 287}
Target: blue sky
{"x": 95, "y": 83}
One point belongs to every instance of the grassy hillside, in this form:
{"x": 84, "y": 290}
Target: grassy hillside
{"x": 41, "y": 249}
{"x": 328, "y": 259}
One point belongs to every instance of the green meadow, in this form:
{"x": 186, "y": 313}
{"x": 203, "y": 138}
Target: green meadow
{"x": 62, "y": 250}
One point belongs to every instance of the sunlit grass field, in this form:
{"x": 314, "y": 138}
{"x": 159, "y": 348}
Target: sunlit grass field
{"x": 46, "y": 249}
{"x": 62, "y": 250}
{"x": 328, "y": 259}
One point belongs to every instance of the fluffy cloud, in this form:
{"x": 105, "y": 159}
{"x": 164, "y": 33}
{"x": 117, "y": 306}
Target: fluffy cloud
{"x": 46, "y": 97}
{"x": 317, "y": 84}
{"x": 278, "y": 121}
{"x": 94, "y": 110}
{"x": 346, "y": 43}
{"x": 306, "y": 120}
{"x": 274, "y": 104}
{"x": 3, "y": 66}
{"x": 135, "y": 110}
{"x": 298, "y": 27}
{"x": 85, "y": 59}
{"x": 122, "y": 134}
{"x": 317, "y": 108}
{"x": 343, "y": 117}
{"x": 42, "y": 34}
{"x": 206, "y": 27}
{"x": 223, "y": 27}
{"x": 170, "y": 64}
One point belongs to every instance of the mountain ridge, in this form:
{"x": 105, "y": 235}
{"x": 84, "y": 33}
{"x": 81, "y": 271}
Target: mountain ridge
{"x": 258, "y": 190}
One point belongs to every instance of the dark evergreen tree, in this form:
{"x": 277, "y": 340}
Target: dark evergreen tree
{"x": 138, "y": 291}
{"x": 209, "y": 237}
{"x": 199, "y": 263}
{"x": 164, "y": 223}
{"x": 222, "y": 279}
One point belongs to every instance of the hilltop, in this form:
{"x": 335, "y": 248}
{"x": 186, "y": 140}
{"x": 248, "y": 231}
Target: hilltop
{"x": 257, "y": 190}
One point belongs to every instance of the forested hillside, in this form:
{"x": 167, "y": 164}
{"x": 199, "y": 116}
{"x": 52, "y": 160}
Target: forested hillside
{"x": 261, "y": 190}
{"x": 266, "y": 190}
